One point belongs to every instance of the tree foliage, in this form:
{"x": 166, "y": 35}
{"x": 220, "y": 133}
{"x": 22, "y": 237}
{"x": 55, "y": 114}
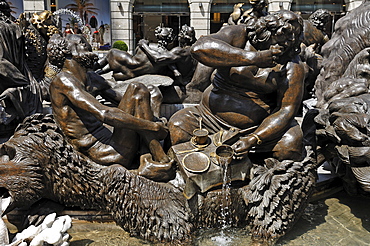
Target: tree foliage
{"x": 82, "y": 6}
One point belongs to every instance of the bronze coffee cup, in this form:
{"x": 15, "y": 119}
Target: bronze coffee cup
{"x": 224, "y": 154}
{"x": 201, "y": 136}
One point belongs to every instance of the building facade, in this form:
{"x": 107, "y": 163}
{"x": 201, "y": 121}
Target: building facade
{"x": 131, "y": 20}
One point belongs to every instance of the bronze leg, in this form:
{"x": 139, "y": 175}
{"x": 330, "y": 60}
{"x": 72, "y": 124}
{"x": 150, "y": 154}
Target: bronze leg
{"x": 290, "y": 147}
{"x": 136, "y": 101}
{"x": 181, "y": 126}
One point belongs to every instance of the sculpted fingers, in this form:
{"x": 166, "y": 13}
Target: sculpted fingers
{"x": 163, "y": 130}
{"x": 349, "y": 128}
{"x": 268, "y": 58}
{"x": 240, "y": 148}
{"x": 143, "y": 42}
{"x": 265, "y": 58}
{"x": 276, "y": 50}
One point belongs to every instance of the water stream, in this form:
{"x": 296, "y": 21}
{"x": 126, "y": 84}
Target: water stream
{"x": 223, "y": 238}
{"x": 226, "y": 199}
{"x": 339, "y": 220}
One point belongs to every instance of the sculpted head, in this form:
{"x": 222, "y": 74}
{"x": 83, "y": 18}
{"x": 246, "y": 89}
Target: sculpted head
{"x": 71, "y": 47}
{"x": 164, "y": 35}
{"x": 20, "y": 176}
{"x": 187, "y": 36}
{"x": 57, "y": 50}
{"x": 258, "y": 4}
{"x": 5, "y": 8}
{"x": 44, "y": 22}
{"x": 283, "y": 28}
{"x": 320, "y": 18}
{"x": 43, "y": 19}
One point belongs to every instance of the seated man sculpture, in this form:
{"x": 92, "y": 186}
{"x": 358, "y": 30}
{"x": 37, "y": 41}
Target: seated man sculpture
{"x": 83, "y": 118}
{"x": 257, "y": 88}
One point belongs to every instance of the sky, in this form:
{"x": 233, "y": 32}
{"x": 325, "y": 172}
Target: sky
{"x": 18, "y": 7}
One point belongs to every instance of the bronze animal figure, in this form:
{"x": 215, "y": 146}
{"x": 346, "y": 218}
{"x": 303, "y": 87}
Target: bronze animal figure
{"x": 39, "y": 163}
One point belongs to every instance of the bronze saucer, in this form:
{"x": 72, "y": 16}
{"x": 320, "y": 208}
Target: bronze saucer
{"x": 196, "y": 162}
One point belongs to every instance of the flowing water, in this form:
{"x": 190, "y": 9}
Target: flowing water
{"x": 339, "y": 220}
{"x": 226, "y": 199}
{"x": 223, "y": 237}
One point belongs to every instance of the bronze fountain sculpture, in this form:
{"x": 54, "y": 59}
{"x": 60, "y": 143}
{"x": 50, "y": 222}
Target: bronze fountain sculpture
{"x": 111, "y": 158}
{"x": 342, "y": 100}
{"x": 25, "y": 71}
{"x": 58, "y": 157}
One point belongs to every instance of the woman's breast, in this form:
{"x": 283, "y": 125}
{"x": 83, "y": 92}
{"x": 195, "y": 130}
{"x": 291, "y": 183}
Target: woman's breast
{"x": 242, "y": 110}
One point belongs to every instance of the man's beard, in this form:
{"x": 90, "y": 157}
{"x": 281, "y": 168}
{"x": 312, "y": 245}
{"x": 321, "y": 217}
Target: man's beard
{"x": 86, "y": 60}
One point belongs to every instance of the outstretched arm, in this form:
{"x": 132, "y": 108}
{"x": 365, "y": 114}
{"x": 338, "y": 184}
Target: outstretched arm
{"x": 289, "y": 96}
{"x": 97, "y": 85}
{"x": 158, "y": 56}
{"x": 225, "y": 49}
{"x": 118, "y": 61}
{"x": 79, "y": 97}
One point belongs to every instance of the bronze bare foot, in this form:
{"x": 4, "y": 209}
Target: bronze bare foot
{"x": 157, "y": 171}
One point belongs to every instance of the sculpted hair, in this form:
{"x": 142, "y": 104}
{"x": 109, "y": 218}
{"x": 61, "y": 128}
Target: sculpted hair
{"x": 187, "y": 35}
{"x": 57, "y": 50}
{"x": 320, "y": 14}
{"x": 278, "y": 23}
{"x": 5, "y": 8}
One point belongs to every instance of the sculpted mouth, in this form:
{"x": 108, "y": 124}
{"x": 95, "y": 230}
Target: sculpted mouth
{"x": 5, "y": 200}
